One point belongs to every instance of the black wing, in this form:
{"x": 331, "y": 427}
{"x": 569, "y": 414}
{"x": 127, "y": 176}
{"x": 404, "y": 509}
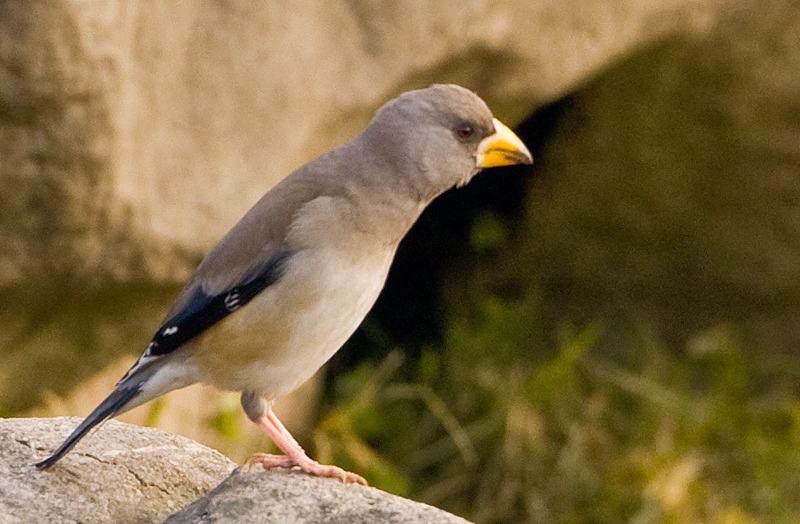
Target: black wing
{"x": 203, "y": 311}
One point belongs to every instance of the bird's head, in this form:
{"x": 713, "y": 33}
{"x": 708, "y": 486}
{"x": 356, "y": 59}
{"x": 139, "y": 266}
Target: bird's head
{"x": 442, "y": 136}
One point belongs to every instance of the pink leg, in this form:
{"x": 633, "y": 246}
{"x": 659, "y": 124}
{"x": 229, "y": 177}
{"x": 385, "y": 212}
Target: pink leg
{"x": 294, "y": 454}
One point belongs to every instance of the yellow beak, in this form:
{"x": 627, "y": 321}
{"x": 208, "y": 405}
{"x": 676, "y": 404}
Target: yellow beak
{"x": 503, "y": 148}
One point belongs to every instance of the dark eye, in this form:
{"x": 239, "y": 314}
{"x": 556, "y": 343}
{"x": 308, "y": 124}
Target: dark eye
{"x": 465, "y": 131}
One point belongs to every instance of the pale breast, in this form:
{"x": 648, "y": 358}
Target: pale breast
{"x": 287, "y": 332}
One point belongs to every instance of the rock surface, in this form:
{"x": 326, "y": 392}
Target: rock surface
{"x": 127, "y": 474}
{"x": 137, "y": 137}
{"x": 120, "y": 474}
{"x": 296, "y": 498}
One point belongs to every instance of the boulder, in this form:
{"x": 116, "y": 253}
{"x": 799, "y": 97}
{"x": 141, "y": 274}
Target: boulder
{"x": 119, "y": 474}
{"x": 293, "y": 497}
{"x": 126, "y": 474}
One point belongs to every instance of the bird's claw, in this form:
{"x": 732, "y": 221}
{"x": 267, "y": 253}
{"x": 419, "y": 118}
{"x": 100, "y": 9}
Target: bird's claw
{"x": 312, "y": 467}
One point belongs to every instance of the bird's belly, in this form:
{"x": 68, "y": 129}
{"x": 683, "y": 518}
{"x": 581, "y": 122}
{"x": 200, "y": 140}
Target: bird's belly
{"x": 288, "y": 331}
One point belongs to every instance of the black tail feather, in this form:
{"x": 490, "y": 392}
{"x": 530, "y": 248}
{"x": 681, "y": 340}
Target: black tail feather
{"x": 111, "y": 406}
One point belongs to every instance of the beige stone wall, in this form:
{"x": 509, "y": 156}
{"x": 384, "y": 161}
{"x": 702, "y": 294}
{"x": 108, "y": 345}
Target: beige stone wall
{"x": 134, "y": 134}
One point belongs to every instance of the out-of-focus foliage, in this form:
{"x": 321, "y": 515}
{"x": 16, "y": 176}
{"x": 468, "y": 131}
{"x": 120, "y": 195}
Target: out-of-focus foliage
{"x": 500, "y": 426}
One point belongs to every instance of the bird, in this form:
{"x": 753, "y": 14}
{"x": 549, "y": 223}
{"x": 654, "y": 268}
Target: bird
{"x": 285, "y": 288}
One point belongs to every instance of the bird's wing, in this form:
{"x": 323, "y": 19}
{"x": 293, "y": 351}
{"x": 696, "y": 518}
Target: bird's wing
{"x": 202, "y": 309}
{"x": 246, "y": 261}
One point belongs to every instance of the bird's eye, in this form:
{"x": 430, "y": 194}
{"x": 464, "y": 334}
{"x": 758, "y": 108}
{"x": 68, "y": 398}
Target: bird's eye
{"x": 465, "y": 131}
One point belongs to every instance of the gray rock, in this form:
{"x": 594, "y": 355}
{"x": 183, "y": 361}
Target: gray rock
{"x": 292, "y": 497}
{"x": 120, "y": 474}
{"x": 127, "y": 474}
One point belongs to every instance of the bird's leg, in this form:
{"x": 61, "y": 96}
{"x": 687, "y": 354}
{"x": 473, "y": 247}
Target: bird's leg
{"x": 294, "y": 455}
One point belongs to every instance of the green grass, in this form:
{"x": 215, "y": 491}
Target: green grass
{"x": 500, "y": 427}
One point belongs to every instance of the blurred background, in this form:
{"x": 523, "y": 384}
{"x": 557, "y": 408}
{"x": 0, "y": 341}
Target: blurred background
{"x": 608, "y": 336}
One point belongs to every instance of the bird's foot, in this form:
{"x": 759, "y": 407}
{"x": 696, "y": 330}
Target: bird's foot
{"x": 312, "y": 467}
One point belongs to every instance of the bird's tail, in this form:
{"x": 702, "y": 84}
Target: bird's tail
{"x": 135, "y": 388}
{"x": 111, "y": 406}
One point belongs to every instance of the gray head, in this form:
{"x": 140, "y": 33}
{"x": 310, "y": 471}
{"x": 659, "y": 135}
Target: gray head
{"x": 442, "y": 136}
